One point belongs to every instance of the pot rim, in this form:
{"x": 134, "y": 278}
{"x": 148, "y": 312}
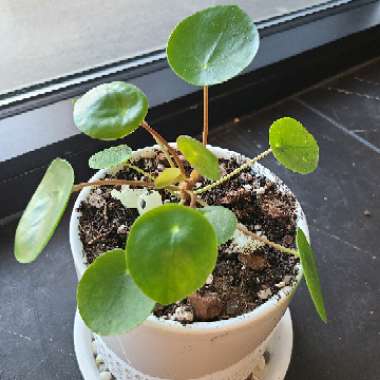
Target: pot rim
{"x": 197, "y": 327}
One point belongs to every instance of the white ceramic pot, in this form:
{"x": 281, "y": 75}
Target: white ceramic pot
{"x": 161, "y": 349}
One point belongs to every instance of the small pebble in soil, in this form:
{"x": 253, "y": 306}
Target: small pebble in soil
{"x": 264, "y": 293}
{"x": 206, "y": 307}
{"x": 99, "y": 360}
{"x": 253, "y": 261}
{"x": 123, "y": 229}
{"x": 288, "y": 279}
{"x": 183, "y": 314}
{"x": 105, "y": 375}
{"x": 96, "y": 200}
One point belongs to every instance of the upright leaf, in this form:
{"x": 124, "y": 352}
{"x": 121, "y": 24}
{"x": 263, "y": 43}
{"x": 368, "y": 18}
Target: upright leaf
{"x": 44, "y": 211}
{"x": 309, "y": 266}
{"x": 200, "y": 158}
{"x": 110, "y": 111}
{"x": 110, "y": 157}
{"x": 171, "y": 250}
{"x": 109, "y": 302}
{"x": 213, "y": 45}
{"x": 222, "y": 219}
{"x": 293, "y": 146}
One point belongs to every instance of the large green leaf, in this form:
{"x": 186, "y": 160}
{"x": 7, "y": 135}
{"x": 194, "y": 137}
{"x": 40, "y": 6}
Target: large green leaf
{"x": 44, "y": 211}
{"x": 222, "y": 219}
{"x": 293, "y": 146}
{"x": 109, "y": 301}
{"x": 171, "y": 250}
{"x": 200, "y": 158}
{"x": 213, "y": 45}
{"x": 110, "y": 157}
{"x": 309, "y": 266}
{"x": 110, "y": 111}
{"x": 167, "y": 177}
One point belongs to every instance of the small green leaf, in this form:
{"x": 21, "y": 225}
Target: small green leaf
{"x": 212, "y": 45}
{"x": 110, "y": 111}
{"x": 222, "y": 219}
{"x": 44, "y": 211}
{"x": 109, "y": 302}
{"x": 200, "y": 158}
{"x": 293, "y": 146}
{"x": 309, "y": 266}
{"x": 167, "y": 177}
{"x": 110, "y": 157}
{"x": 171, "y": 251}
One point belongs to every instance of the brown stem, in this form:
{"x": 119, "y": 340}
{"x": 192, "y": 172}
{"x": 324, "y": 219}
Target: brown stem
{"x": 264, "y": 240}
{"x": 172, "y": 151}
{"x": 193, "y": 199}
{"x": 160, "y": 141}
{"x": 193, "y": 179}
{"x": 205, "y": 115}
{"x": 112, "y": 182}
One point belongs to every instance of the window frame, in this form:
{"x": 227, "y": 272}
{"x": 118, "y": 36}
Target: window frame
{"x": 330, "y": 17}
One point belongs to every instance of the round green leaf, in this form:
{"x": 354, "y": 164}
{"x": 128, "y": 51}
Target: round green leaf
{"x": 200, "y": 158}
{"x": 222, "y": 219}
{"x": 171, "y": 251}
{"x": 293, "y": 146}
{"x": 213, "y": 45}
{"x": 44, "y": 211}
{"x": 309, "y": 266}
{"x": 110, "y": 111}
{"x": 109, "y": 301}
{"x": 110, "y": 157}
{"x": 167, "y": 177}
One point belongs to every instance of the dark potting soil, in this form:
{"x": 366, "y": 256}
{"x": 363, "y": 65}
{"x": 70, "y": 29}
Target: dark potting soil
{"x": 241, "y": 280}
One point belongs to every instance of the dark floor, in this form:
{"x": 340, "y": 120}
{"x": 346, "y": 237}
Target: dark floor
{"x": 38, "y": 301}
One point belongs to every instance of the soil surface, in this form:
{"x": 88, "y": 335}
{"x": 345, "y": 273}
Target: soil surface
{"x": 243, "y": 279}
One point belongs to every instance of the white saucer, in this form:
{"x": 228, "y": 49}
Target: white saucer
{"x": 279, "y": 348}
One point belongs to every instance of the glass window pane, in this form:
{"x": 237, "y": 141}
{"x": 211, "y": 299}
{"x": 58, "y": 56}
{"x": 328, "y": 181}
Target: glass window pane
{"x": 46, "y": 39}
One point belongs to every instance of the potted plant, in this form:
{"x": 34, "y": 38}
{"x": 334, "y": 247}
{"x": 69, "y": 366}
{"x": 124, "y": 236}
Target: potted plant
{"x": 187, "y": 254}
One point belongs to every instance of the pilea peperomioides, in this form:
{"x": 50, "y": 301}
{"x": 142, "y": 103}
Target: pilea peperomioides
{"x": 171, "y": 249}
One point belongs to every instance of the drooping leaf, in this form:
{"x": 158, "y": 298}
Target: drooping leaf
{"x": 142, "y": 199}
{"x": 44, "y": 211}
{"x": 309, "y": 266}
{"x": 171, "y": 251}
{"x": 200, "y": 158}
{"x": 167, "y": 177}
{"x": 128, "y": 197}
{"x": 110, "y": 157}
{"x": 213, "y": 45}
{"x": 110, "y": 111}
{"x": 109, "y": 301}
{"x": 148, "y": 200}
{"x": 222, "y": 219}
{"x": 293, "y": 146}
